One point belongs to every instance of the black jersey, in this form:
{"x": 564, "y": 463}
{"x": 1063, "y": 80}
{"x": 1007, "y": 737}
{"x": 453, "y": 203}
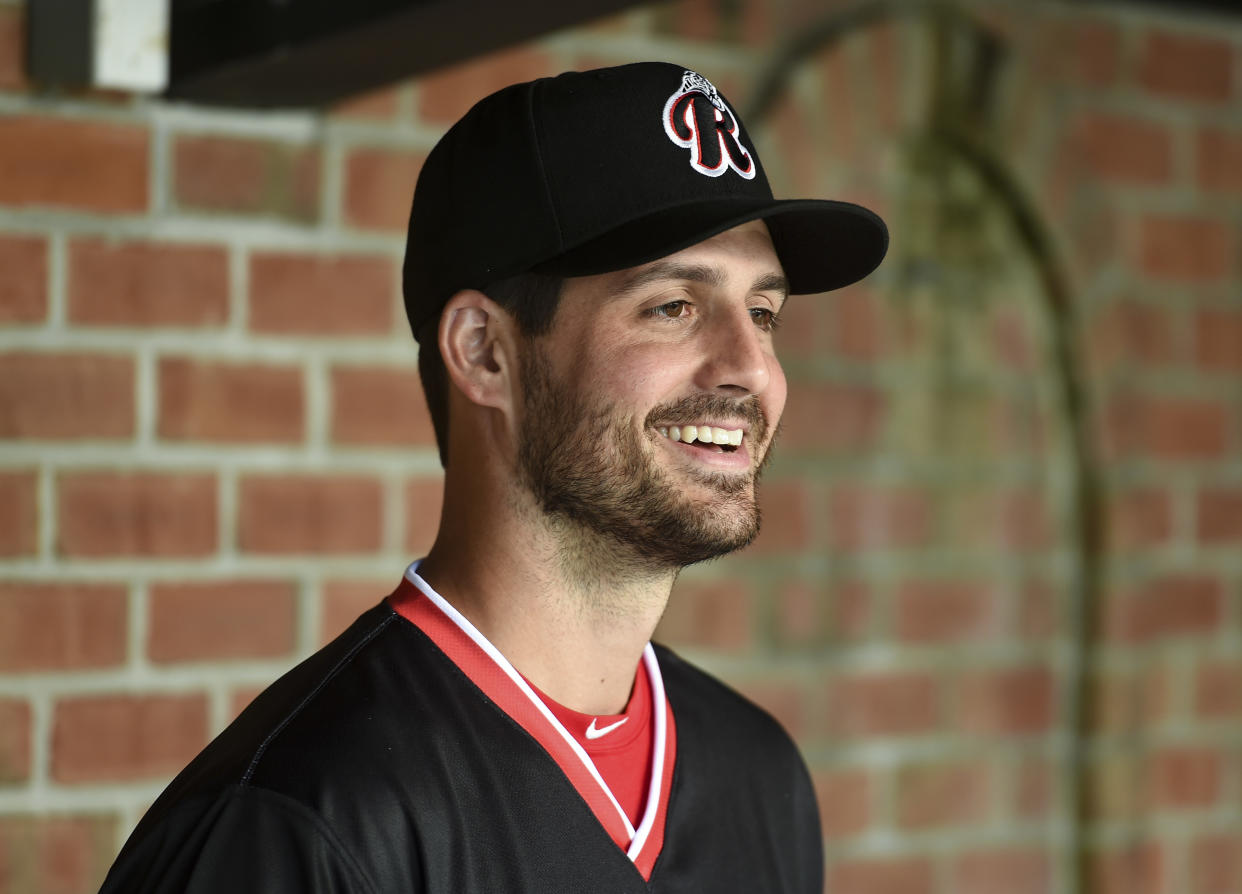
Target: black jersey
{"x": 380, "y": 765}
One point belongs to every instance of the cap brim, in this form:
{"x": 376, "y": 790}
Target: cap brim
{"x": 822, "y": 244}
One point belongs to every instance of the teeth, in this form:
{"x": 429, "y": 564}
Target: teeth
{"x": 704, "y": 434}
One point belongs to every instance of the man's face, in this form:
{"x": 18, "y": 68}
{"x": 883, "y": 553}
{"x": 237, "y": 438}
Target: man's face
{"x": 635, "y": 359}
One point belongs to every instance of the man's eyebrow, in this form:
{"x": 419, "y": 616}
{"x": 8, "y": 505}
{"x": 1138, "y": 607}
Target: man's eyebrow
{"x": 671, "y": 271}
{"x": 772, "y": 282}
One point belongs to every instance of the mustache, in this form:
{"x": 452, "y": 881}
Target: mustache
{"x": 691, "y": 409}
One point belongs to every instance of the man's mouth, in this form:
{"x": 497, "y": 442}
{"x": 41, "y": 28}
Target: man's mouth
{"x": 725, "y": 440}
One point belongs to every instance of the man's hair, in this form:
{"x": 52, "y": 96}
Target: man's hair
{"x": 531, "y": 299}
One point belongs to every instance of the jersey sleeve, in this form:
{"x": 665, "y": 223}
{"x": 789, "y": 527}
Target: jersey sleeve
{"x": 244, "y": 841}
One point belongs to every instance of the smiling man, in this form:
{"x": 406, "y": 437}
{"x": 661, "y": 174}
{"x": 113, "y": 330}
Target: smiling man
{"x": 595, "y": 270}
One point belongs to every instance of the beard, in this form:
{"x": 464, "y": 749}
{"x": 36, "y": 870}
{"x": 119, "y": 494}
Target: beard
{"x": 586, "y": 464}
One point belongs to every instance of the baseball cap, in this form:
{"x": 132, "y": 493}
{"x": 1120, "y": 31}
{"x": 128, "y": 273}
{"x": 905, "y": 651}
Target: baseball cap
{"x": 596, "y": 171}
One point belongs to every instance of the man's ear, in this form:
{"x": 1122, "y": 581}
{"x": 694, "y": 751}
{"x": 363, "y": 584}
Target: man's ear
{"x": 477, "y": 343}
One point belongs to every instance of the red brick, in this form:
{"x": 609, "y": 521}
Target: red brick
{"x": 844, "y": 802}
{"x": 47, "y": 626}
{"x": 1012, "y": 870}
{"x": 1186, "y": 777}
{"x": 379, "y": 184}
{"x": 1038, "y": 610}
{"x": 942, "y": 794}
{"x": 940, "y": 611}
{"x": 784, "y": 699}
{"x": 879, "y": 518}
{"x": 88, "y": 165}
{"x": 377, "y": 105}
{"x": 1124, "y": 149}
{"x": 247, "y": 176}
{"x": 1138, "y": 519}
{"x": 316, "y": 295}
{"x": 1187, "y": 67}
{"x": 824, "y": 417}
{"x": 309, "y": 514}
{"x": 344, "y": 601}
{"x": 884, "y": 75}
{"x": 122, "y": 738}
{"x": 1171, "y": 428}
{"x": 55, "y": 853}
{"x": 857, "y": 329}
{"x": 1217, "y": 693}
{"x": 1218, "y": 156}
{"x": 1174, "y": 606}
{"x": 1216, "y": 864}
{"x": 1128, "y": 702}
{"x": 884, "y": 703}
{"x": 12, "y": 48}
{"x": 882, "y": 875}
{"x": 221, "y": 620}
{"x": 1007, "y": 702}
{"x": 1219, "y": 516}
{"x": 19, "y": 513}
{"x": 63, "y": 396}
{"x": 423, "y": 500}
{"x": 1014, "y": 520}
{"x": 1186, "y": 249}
{"x": 1133, "y": 869}
{"x": 1013, "y": 345}
{"x": 1096, "y": 48}
{"x": 23, "y": 288}
{"x": 137, "y": 514}
{"x": 809, "y": 615}
{"x": 1034, "y": 788}
{"x": 202, "y": 400}
{"x": 711, "y": 614}
{"x": 446, "y": 95}
{"x": 1131, "y": 332}
{"x": 147, "y": 284}
{"x": 1218, "y": 340}
{"x": 838, "y": 85}
{"x": 15, "y": 740}
{"x": 379, "y": 405}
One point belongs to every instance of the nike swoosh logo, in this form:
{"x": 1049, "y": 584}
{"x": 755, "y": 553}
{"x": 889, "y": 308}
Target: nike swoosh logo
{"x": 593, "y": 733}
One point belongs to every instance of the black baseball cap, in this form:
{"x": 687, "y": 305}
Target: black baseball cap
{"x": 590, "y": 172}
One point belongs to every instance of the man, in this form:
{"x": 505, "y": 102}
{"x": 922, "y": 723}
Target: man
{"x": 594, "y": 270}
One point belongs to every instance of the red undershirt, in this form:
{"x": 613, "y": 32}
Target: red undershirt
{"x": 623, "y": 753}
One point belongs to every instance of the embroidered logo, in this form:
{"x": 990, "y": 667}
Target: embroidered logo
{"x": 697, "y": 118}
{"x": 593, "y": 733}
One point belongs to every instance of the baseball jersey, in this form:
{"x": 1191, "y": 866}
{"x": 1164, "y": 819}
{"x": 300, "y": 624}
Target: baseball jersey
{"x": 398, "y": 759}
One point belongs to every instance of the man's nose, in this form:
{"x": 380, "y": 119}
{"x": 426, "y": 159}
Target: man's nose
{"x": 736, "y": 357}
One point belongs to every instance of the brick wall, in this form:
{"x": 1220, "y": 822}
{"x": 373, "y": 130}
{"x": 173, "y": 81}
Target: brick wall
{"x": 209, "y": 410}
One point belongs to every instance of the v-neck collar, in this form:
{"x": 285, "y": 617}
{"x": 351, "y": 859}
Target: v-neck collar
{"x": 491, "y": 672}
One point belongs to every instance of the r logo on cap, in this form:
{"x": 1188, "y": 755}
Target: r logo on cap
{"x": 696, "y": 118}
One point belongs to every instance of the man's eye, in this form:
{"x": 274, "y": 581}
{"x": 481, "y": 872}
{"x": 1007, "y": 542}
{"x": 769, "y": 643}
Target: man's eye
{"x": 672, "y": 309}
{"x": 765, "y": 319}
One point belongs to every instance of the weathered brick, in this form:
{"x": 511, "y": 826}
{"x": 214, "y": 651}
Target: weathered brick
{"x": 1134, "y": 869}
{"x": 942, "y": 794}
{"x": 1096, "y": 48}
{"x": 1187, "y": 67}
{"x": 136, "y": 514}
{"x": 840, "y": 611}
{"x": 23, "y": 288}
{"x": 710, "y": 614}
{"x": 1013, "y": 520}
{"x": 423, "y": 501}
{"x": 65, "y": 396}
{"x": 1185, "y": 248}
{"x": 201, "y": 400}
{"x": 1127, "y": 702}
{"x": 1170, "y": 428}
{"x": 147, "y": 284}
{"x": 316, "y": 295}
{"x": 1218, "y": 161}
{"x": 49, "y": 626}
{"x": 1218, "y": 340}
{"x": 1185, "y": 777}
{"x": 12, "y": 48}
{"x": 1139, "y": 518}
{"x": 856, "y": 324}
{"x": 379, "y": 184}
{"x": 884, "y": 703}
{"x": 284, "y": 514}
{"x": 220, "y": 620}
{"x": 785, "y": 519}
{"x": 1012, "y": 870}
{"x": 882, "y": 875}
{"x": 121, "y": 738}
{"x": 1219, "y": 516}
{"x": 1034, "y": 788}
{"x": 1217, "y": 695}
{"x": 1184, "y": 605}
{"x": 247, "y": 176}
{"x": 944, "y": 611}
{"x": 824, "y": 417}
{"x": 1124, "y": 149}
{"x": 1130, "y": 332}
{"x": 1216, "y": 863}
{"x": 72, "y": 163}
{"x": 343, "y": 601}
{"x": 380, "y": 405}
{"x": 446, "y": 95}
{"x": 55, "y": 853}
{"x": 844, "y": 801}
{"x": 876, "y": 518}
{"x": 15, "y": 742}
{"x": 19, "y": 513}
{"x": 1013, "y": 702}
{"x": 783, "y": 698}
